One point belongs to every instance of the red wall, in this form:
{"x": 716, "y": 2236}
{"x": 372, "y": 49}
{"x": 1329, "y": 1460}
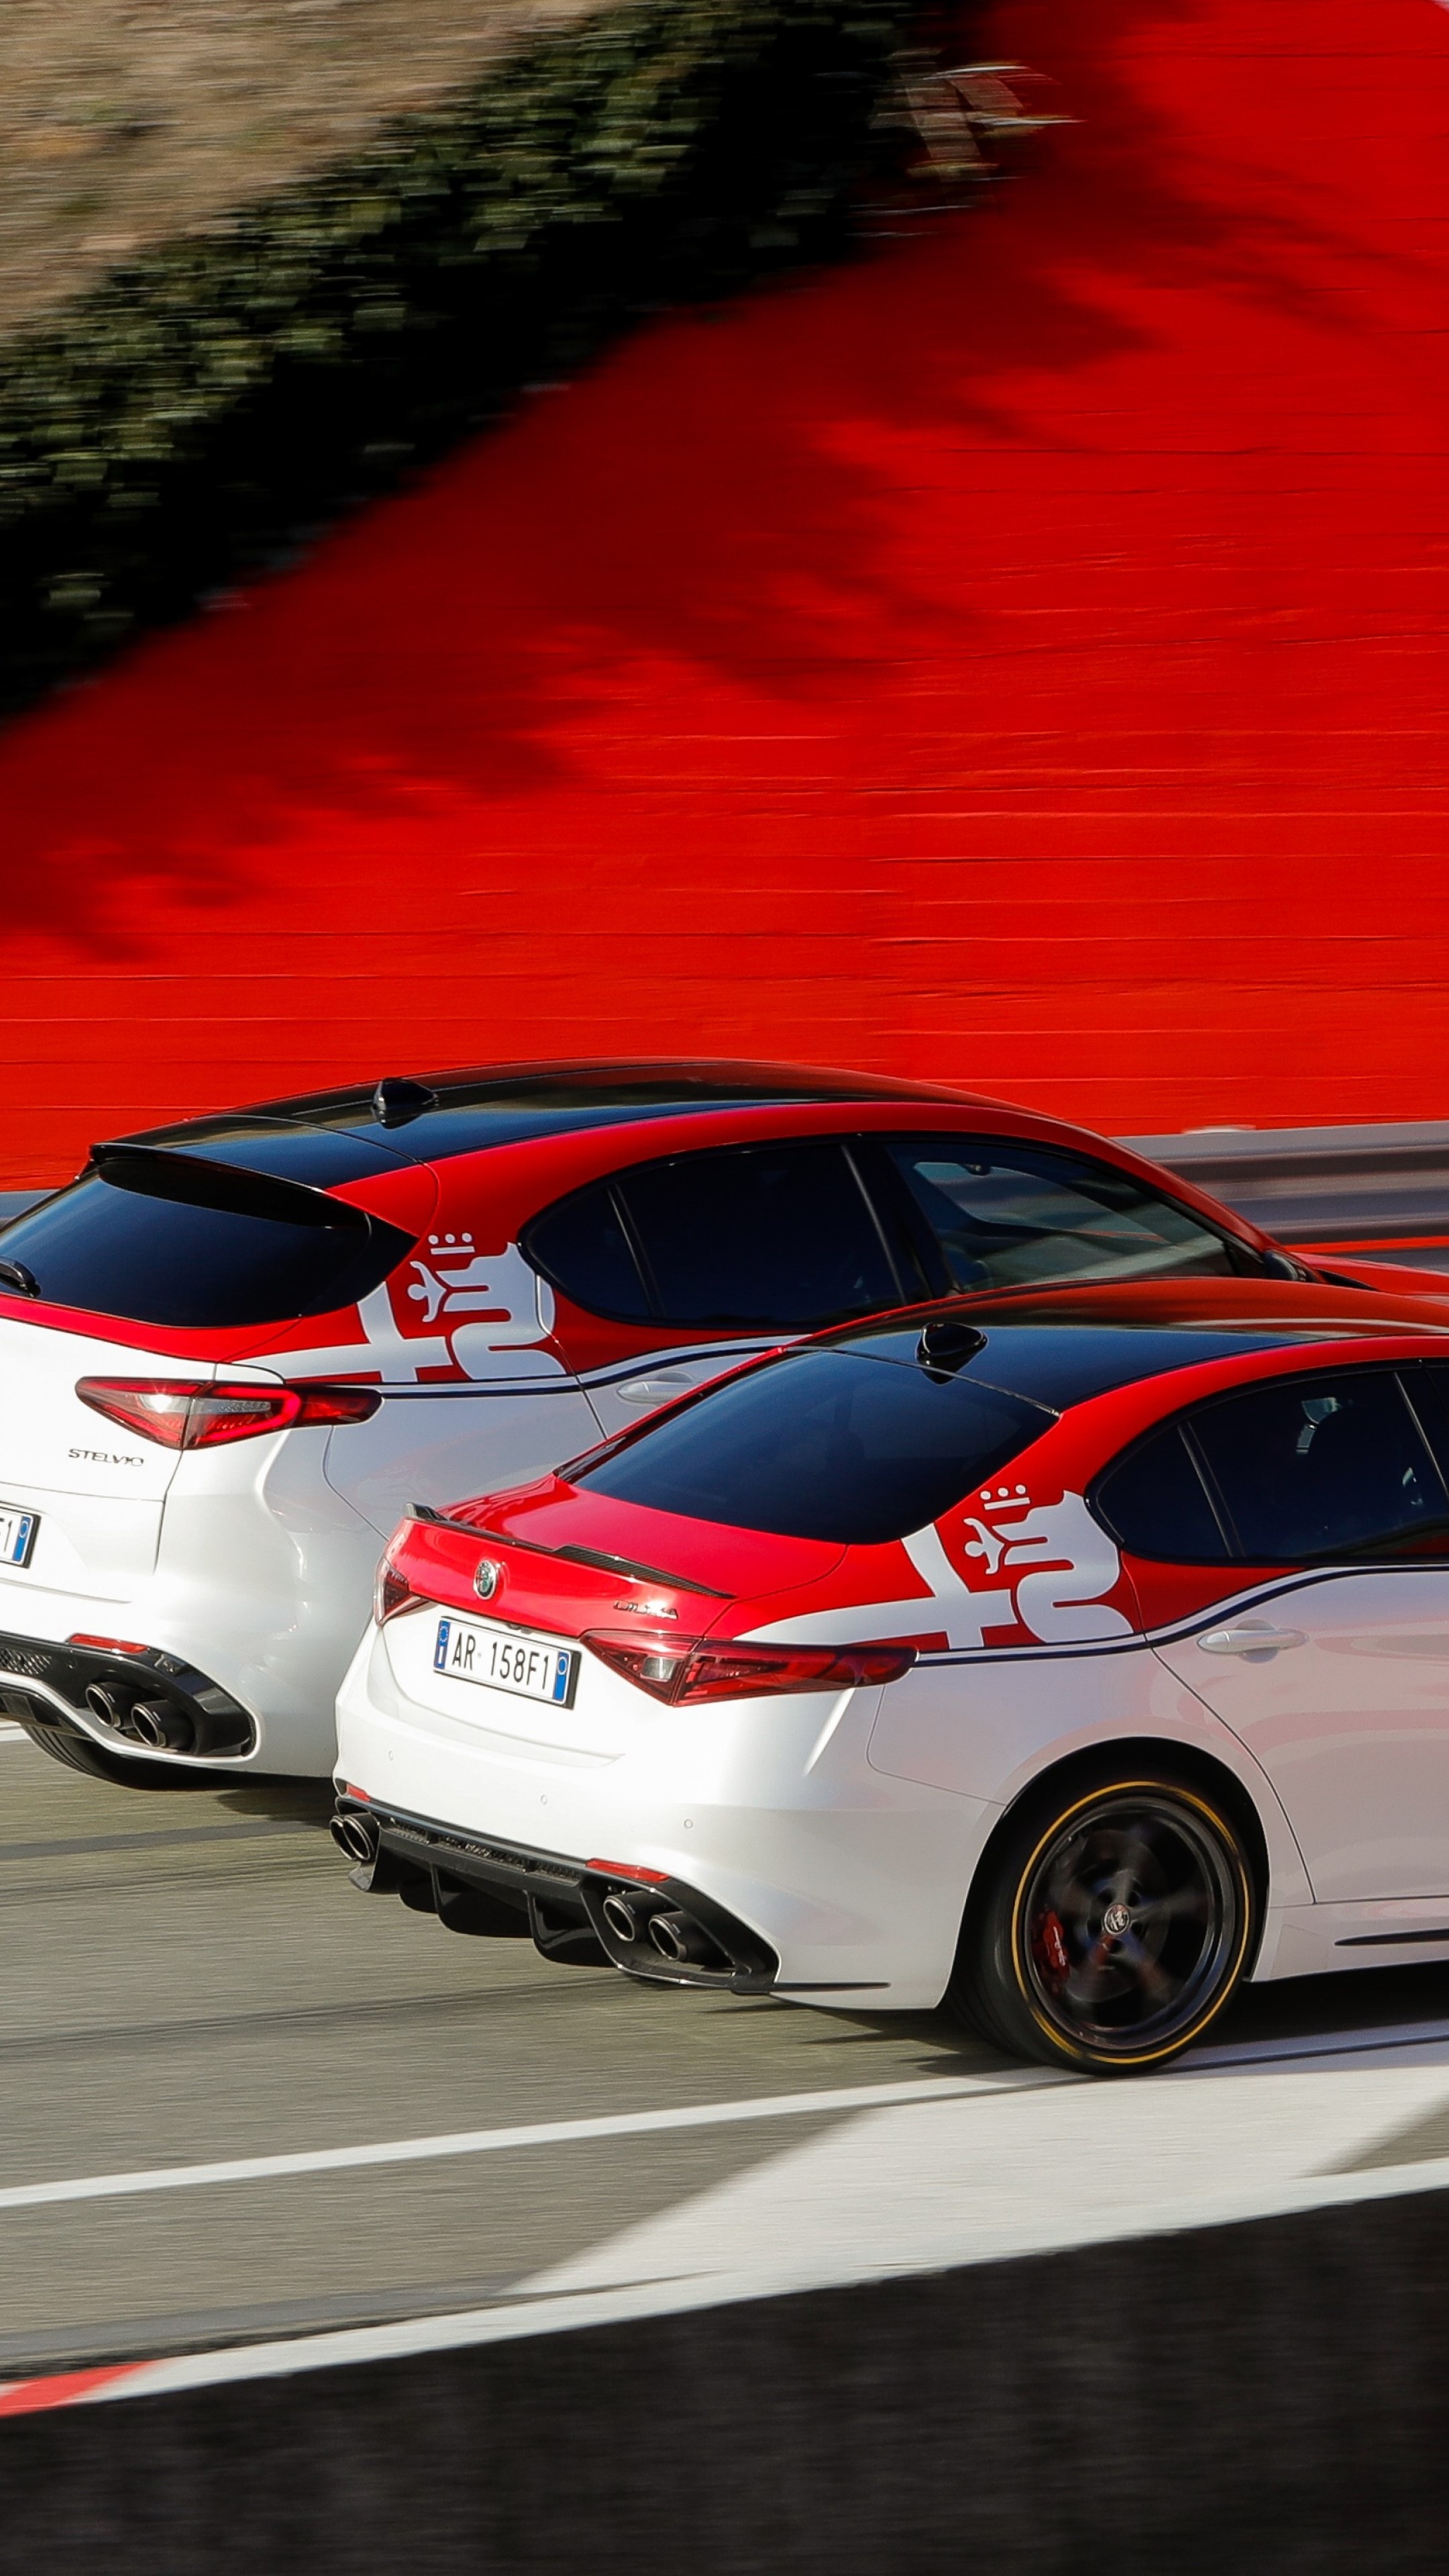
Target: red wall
{"x": 1016, "y": 659}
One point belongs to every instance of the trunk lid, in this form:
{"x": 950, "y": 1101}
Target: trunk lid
{"x": 563, "y": 1564}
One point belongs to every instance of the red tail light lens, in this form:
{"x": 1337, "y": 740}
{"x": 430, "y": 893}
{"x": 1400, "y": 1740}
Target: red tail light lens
{"x": 184, "y": 1413}
{"x": 392, "y": 1591}
{"x": 686, "y": 1670}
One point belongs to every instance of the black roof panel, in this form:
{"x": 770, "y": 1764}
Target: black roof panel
{"x": 509, "y": 1105}
{"x": 252, "y": 1143}
{"x": 1064, "y": 1364}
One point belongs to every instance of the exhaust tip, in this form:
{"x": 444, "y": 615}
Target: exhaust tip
{"x": 670, "y": 1935}
{"x": 357, "y": 1836}
{"x": 154, "y": 1722}
{"x": 621, "y": 1918}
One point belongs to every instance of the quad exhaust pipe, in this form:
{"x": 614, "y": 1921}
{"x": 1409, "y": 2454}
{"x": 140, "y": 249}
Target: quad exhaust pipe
{"x": 670, "y": 1934}
{"x": 159, "y": 1724}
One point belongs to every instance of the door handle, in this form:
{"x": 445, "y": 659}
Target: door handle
{"x": 654, "y": 1390}
{"x": 1250, "y": 1641}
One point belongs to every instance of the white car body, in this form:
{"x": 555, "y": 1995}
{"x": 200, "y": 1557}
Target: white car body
{"x": 838, "y": 1830}
{"x": 824, "y": 1824}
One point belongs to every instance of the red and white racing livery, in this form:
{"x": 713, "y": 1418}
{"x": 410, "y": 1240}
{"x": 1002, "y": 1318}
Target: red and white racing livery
{"x": 1067, "y": 1655}
{"x": 232, "y": 1351}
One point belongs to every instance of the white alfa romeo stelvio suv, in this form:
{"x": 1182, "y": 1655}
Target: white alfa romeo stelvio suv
{"x": 235, "y": 1351}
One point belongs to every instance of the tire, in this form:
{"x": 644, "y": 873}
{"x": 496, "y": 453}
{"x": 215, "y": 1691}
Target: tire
{"x": 78, "y": 1753}
{"x": 1042, "y": 1970}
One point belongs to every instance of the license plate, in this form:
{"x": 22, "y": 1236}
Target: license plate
{"x": 17, "y": 1533}
{"x": 469, "y": 1654}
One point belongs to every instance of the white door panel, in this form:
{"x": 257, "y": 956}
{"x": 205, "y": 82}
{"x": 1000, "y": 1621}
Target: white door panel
{"x": 447, "y": 1446}
{"x": 980, "y": 1725}
{"x": 1346, "y": 1706}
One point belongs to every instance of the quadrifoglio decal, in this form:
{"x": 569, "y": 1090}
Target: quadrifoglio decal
{"x": 484, "y": 1313}
{"x": 1060, "y": 1562}
{"x": 1047, "y": 1567}
{"x": 1004, "y": 1571}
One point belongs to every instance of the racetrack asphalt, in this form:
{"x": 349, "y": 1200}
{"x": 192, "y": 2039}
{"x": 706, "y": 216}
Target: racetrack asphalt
{"x": 191, "y": 1980}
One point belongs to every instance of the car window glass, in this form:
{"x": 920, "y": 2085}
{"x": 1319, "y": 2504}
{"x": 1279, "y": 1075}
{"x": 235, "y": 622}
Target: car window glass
{"x": 160, "y": 1261}
{"x": 1428, "y": 1391}
{"x": 824, "y": 1445}
{"x": 759, "y": 1235}
{"x": 1007, "y": 1215}
{"x": 581, "y": 1246}
{"x": 1155, "y": 1504}
{"x": 1324, "y": 1466}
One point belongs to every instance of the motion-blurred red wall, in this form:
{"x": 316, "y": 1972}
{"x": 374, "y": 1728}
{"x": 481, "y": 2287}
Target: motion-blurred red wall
{"x": 1017, "y": 658}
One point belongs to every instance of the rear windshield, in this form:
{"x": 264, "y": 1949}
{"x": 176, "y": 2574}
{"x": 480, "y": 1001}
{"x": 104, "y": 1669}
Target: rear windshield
{"x": 160, "y": 1261}
{"x": 823, "y": 1444}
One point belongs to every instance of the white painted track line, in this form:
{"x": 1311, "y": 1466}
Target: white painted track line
{"x": 696, "y": 2115}
{"x": 479, "y": 2142}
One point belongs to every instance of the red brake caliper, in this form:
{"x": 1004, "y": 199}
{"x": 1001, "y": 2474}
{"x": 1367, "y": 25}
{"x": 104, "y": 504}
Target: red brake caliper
{"x": 1049, "y": 1945}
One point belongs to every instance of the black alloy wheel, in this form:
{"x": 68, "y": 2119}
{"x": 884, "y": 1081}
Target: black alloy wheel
{"x": 1114, "y": 1927}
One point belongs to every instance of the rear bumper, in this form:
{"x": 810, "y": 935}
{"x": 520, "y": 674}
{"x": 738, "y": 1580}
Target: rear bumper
{"x": 143, "y": 1704}
{"x": 768, "y": 1810}
{"x": 562, "y": 1902}
{"x": 261, "y": 1595}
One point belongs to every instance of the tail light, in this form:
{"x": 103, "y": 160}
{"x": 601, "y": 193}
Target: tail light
{"x": 183, "y": 1413}
{"x": 392, "y": 1591}
{"x": 686, "y": 1670}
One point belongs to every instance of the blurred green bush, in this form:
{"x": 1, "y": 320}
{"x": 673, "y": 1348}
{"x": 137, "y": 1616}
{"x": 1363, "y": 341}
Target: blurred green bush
{"x": 198, "y": 414}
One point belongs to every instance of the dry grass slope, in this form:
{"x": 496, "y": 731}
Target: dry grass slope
{"x": 212, "y": 396}
{"x": 126, "y": 122}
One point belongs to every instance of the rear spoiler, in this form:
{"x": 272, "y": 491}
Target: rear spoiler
{"x": 155, "y": 1173}
{"x": 596, "y": 1557}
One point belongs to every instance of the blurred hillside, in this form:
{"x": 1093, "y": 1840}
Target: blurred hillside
{"x": 124, "y": 122}
{"x": 1014, "y": 657}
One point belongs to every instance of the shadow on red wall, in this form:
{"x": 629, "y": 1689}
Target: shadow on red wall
{"x": 1016, "y": 658}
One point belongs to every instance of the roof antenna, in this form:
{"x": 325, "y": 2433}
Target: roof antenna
{"x": 947, "y": 1344}
{"x": 398, "y": 1099}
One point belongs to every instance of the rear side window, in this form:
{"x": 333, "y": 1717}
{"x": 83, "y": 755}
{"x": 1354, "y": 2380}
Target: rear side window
{"x": 1156, "y": 1505}
{"x": 752, "y": 1237}
{"x": 116, "y": 1251}
{"x": 1005, "y": 1216}
{"x": 1323, "y": 1467}
{"x": 824, "y": 1445}
{"x": 583, "y": 1248}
